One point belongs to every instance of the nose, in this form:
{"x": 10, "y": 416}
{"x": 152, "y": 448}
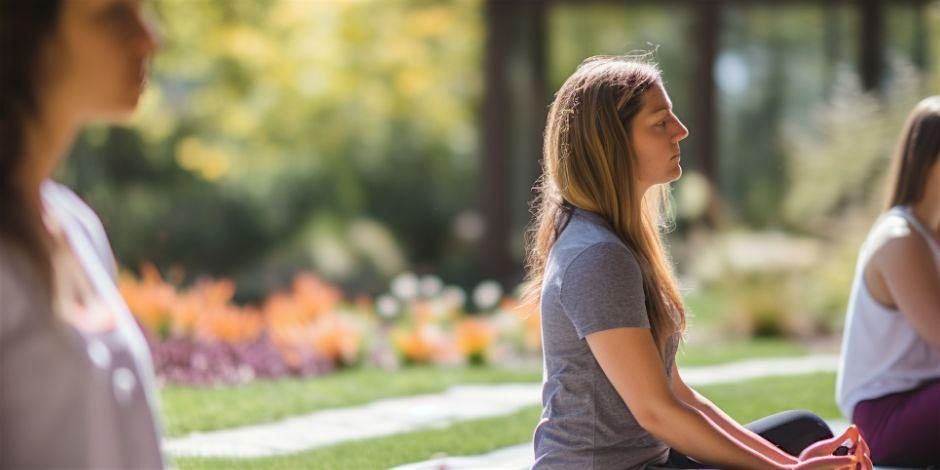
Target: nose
{"x": 681, "y": 131}
{"x": 151, "y": 37}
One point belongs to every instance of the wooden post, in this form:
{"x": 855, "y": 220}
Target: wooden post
{"x": 706, "y": 37}
{"x": 871, "y": 43}
{"x": 514, "y": 113}
{"x": 495, "y": 123}
{"x": 921, "y": 53}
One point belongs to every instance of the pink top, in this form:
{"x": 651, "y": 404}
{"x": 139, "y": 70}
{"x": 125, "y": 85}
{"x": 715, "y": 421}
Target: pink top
{"x": 76, "y": 379}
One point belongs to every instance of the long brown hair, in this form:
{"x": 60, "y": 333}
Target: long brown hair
{"x": 589, "y": 163}
{"x": 918, "y": 149}
{"x": 24, "y": 28}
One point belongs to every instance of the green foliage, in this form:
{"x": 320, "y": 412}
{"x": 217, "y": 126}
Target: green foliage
{"x": 837, "y": 171}
{"x": 798, "y": 303}
{"x": 840, "y": 163}
{"x": 265, "y": 115}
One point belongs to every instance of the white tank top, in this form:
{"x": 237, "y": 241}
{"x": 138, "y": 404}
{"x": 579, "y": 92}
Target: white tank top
{"x": 881, "y": 352}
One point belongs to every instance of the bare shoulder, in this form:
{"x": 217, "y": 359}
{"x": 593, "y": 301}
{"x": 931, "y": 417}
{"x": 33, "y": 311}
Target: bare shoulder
{"x": 898, "y": 251}
{"x": 899, "y": 242}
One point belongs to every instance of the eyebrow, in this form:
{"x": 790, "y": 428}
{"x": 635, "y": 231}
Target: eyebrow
{"x": 659, "y": 110}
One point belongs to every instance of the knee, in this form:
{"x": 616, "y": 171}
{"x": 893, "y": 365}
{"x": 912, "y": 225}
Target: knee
{"x": 792, "y": 431}
{"x": 800, "y": 422}
{"x": 812, "y": 424}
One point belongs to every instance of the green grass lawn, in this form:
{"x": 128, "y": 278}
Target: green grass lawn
{"x": 729, "y": 351}
{"x": 188, "y": 409}
{"x": 464, "y": 438}
{"x": 751, "y": 400}
{"x": 745, "y": 401}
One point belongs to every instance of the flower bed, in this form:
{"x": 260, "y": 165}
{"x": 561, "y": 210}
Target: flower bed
{"x": 199, "y": 336}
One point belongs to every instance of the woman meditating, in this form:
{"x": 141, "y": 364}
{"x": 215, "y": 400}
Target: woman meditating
{"x": 889, "y": 376}
{"x": 612, "y": 314}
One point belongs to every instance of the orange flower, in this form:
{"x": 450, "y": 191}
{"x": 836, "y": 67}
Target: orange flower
{"x": 230, "y": 324}
{"x": 315, "y": 296}
{"x": 336, "y": 339}
{"x": 422, "y": 311}
{"x": 184, "y": 313}
{"x": 330, "y": 336}
{"x": 309, "y": 299}
{"x": 283, "y": 311}
{"x": 474, "y": 336}
{"x": 415, "y": 346}
{"x": 150, "y": 299}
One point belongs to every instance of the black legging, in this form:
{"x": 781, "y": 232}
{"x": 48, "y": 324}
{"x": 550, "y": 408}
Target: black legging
{"x": 792, "y": 431}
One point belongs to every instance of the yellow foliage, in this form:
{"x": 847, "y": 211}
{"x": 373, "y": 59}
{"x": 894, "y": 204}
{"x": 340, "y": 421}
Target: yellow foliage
{"x": 211, "y": 162}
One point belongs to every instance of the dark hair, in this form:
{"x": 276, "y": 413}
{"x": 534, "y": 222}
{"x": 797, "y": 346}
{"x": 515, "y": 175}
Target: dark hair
{"x": 917, "y": 151}
{"x": 24, "y": 27}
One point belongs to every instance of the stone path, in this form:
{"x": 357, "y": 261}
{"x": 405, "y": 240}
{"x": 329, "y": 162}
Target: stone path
{"x": 379, "y": 418}
{"x": 393, "y": 416}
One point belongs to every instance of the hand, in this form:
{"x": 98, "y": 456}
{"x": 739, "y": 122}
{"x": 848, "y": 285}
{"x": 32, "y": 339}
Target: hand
{"x": 865, "y": 454}
{"x": 827, "y": 447}
{"x": 830, "y": 462}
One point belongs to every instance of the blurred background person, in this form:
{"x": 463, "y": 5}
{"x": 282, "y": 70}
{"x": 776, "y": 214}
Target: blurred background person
{"x": 889, "y": 375}
{"x": 76, "y": 380}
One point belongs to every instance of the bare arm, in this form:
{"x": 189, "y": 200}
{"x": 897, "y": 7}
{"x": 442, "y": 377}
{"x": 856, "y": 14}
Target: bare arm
{"x": 907, "y": 266}
{"x": 645, "y": 390}
{"x": 714, "y": 414}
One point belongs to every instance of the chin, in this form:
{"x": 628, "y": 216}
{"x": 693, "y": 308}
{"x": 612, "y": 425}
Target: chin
{"x": 675, "y": 174}
{"x": 114, "y": 116}
{"x": 123, "y": 110}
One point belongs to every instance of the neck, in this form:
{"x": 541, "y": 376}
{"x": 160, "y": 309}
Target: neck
{"x": 45, "y": 143}
{"x": 641, "y": 191}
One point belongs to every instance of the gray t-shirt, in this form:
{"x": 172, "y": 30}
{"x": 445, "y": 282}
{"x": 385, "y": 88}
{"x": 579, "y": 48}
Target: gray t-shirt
{"x": 592, "y": 283}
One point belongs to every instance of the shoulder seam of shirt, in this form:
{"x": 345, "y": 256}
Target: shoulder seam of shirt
{"x": 564, "y": 272}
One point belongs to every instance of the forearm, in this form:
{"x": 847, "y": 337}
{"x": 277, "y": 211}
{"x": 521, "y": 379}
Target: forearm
{"x": 739, "y": 432}
{"x": 689, "y": 431}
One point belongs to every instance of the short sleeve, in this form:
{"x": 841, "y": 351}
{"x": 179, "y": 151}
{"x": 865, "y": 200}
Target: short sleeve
{"x": 602, "y": 288}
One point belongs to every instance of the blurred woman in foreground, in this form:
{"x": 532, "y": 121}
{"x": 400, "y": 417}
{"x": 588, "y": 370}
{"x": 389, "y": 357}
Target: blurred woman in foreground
{"x": 76, "y": 380}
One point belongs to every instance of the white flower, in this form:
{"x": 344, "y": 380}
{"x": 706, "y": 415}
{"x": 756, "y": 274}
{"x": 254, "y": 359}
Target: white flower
{"x": 454, "y": 297}
{"x": 430, "y": 286}
{"x": 487, "y": 294}
{"x": 386, "y": 306}
{"x": 405, "y": 286}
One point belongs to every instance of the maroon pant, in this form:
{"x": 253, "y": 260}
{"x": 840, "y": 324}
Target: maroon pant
{"x": 903, "y": 429}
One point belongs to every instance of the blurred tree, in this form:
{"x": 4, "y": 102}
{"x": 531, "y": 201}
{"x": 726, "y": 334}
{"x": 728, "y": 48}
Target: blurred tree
{"x": 263, "y": 115}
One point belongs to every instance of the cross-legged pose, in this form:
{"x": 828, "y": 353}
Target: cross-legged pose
{"x": 76, "y": 385}
{"x": 889, "y": 377}
{"x": 612, "y": 315}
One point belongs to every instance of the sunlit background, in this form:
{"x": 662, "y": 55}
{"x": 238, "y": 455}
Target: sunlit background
{"x": 319, "y": 184}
